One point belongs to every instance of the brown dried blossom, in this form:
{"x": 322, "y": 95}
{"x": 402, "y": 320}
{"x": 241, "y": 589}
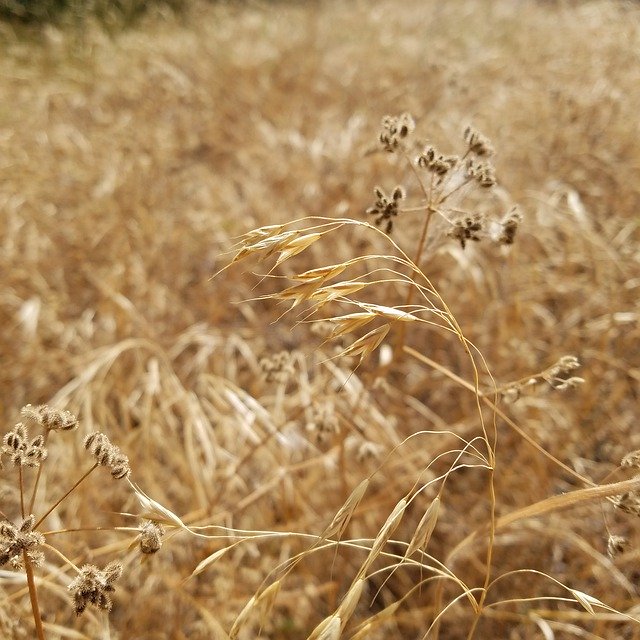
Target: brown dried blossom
{"x": 21, "y": 450}
{"x": 151, "y": 534}
{"x": 95, "y": 586}
{"x": 436, "y": 162}
{"x": 395, "y": 130}
{"x": 386, "y": 207}
{"x": 477, "y": 143}
{"x": 278, "y": 367}
{"x": 108, "y": 454}
{"x": 15, "y": 541}
{"x": 50, "y": 419}
{"x": 467, "y": 228}
{"x": 616, "y": 545}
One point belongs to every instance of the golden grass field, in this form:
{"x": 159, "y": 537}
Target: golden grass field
{"x": 290, "y": 475}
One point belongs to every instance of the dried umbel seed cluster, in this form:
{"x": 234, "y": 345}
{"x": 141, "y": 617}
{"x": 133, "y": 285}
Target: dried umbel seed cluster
{"x": 107, "y": 454}
{"x": 386, "y": 207}
{"x": 21, "y": 450}
{"x": 324, "y": 423}
{"x": 509, "y": 226}
{"x": 482, "y": 172}
{"x": 50, "y": 419}
{"x": 628, "y": 502}
{"x": 448, "y": 183}
{"x": 279, "y": 367}
{"x": 477, "y": 143}
{"x": 395, "y": 130}
{"x": 16, "y": 541}
{"x": 632, "y": 459}
{"x": 151, "y": 534}
{"x": 431, "y": 160}
{"x": 468, "y": 228}
{"x": 94, "y": 586}
{"x": 616, "y": 545}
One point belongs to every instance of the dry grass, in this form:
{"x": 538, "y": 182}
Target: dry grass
{"x": 301, "y": 498}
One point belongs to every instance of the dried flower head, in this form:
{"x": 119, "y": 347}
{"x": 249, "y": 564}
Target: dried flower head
{"x": 433, "y": 161}
{"x": 616, "y": 545}
{"x": 278, "y": 367}
{"x": 386, "y": 207}
{"x": 482, "y": 172}
{"x": 467, "y": 228}
{"x": 94, "y": 586}
{"x": 509, "y": 224}
{"x": 395, "y": 130}
{"x": 477, "y": 143}
{"x": 558, "y": 375}
{"x": 324, "y": 422}
{"x": 151, "y": 534}
{"x": 50, "y": 419}
{"x": 107, "y": 454}
{"x": 22, "y": 451}
{"x": 632, "y": 459}
{"x": 16, "y": 540}
{"x": 628, "y": 502}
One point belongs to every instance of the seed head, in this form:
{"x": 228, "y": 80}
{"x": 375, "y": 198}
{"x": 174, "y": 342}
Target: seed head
{"x": 510, "y": 224}
{"x": 107, "y": 454}
{"x": 435, "y": 162}
{"x": 386, "y": 207}
{"x": 50, "y": 419}
{"x": 482, "y": 172}
{"x": 616, "y": 545}
{"x": 151, "y": 534}
{"x": 22, "y": 451}
{"x": 395, "y": 130}
{"x": 477, "y": 143}
{"x": 467, "y": 228}
{"x": 94, "y": 586}
{"x": 16, "y": 540}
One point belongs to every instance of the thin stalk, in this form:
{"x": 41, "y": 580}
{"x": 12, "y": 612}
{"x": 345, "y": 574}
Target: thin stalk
{"x": 37, "y": 524}
{"x": 21, "y": 481}
{"x": 37, "y": 482}
{"x": 421, "y": 243}
{"x": 33, "y": 596}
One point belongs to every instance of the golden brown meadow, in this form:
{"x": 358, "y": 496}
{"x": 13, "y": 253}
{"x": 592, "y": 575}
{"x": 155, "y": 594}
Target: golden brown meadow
{"x": 430, "y": 464}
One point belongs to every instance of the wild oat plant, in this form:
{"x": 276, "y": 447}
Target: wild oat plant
{"x": 368, "y": 311}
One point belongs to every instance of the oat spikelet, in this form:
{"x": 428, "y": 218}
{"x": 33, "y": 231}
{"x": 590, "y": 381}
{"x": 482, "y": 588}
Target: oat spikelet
{"x": 350, "y": 322}
{"x": 425, "y": 528}
{"x": 350, "y": 601}
{"x": 243, "y": 616}
{"x": 368, "y": 343}
{"x": 342, "y": 518}
{"x": 296, "y": 246}
{"x": 386, "y": 615}
{"x": 384, "y": 534}
{"x": 329, "y": 629}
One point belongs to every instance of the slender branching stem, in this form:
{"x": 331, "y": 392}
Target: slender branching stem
{"x": 75, "y": 486}
{"x": 33, "y": 596}
{"x": 21, "y": 482}
{"x": 37, "y": 482}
